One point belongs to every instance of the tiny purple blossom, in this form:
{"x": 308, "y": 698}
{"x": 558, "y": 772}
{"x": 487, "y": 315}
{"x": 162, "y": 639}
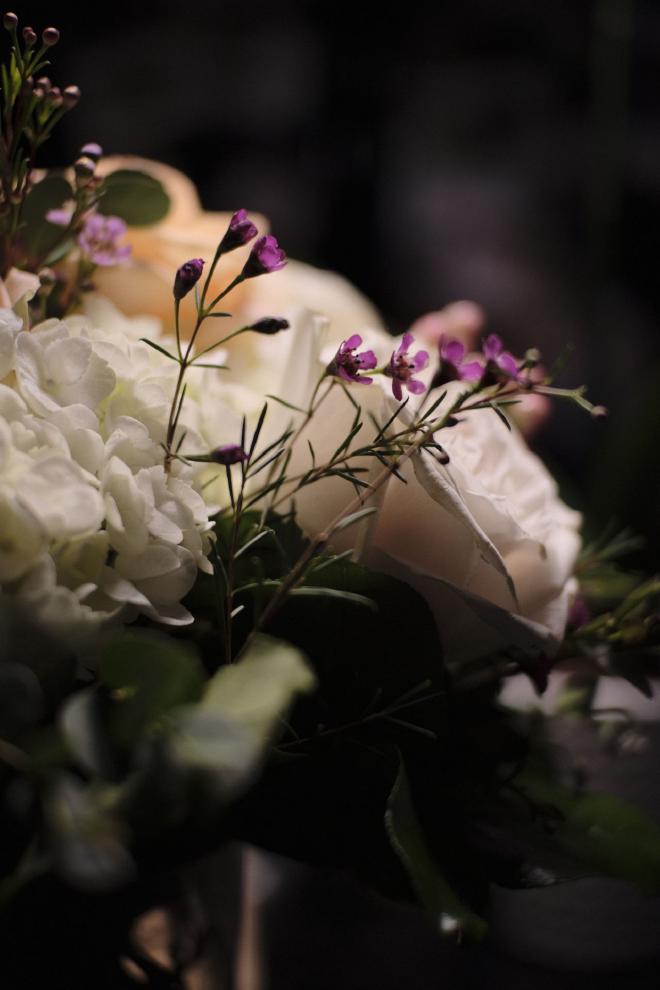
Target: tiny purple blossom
{"x": 60, "y": 217}
{"x": 187, "y": 276}
{"x": 239, "y": 232}
{"x": 99, "y": 237}
{"x": 228, "y": 453}
{"x": 495, "y": 354}
{"x": 347, "y": 364}
{"x": 403, "y": 367}
{"x": 454, "y": 366}
{"x": 266, "y": 256}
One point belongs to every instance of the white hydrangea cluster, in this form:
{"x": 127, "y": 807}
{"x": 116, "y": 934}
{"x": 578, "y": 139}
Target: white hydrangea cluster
{"x": 91, "y": 525}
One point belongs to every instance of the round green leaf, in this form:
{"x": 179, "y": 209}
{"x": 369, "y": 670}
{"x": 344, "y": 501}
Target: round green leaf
{"x": 138, "y": 198}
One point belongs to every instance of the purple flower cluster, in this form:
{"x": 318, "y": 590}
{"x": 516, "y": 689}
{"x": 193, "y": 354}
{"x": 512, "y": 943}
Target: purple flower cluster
{"x": 495, "y": 363}
{"x": 99, "y": 240}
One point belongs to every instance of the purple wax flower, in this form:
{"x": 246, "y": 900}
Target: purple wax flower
{"x": 229, "y": 453}
{"x": 60, "y": 217}
{"x": 403, "y": 367}
{"x": 266, "y": 256}
{"x": 187, "y": 276}
{"x": 347, "y": 364}
{"x": 239, "y": 232}
{"x": 453, "y": 366}
{"x": 498, "y": 358}
{"x": 99, "y": 240}
{"x": 270, "y": 325}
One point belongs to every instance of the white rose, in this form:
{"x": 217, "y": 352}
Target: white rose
{"x": 483, "y": 539}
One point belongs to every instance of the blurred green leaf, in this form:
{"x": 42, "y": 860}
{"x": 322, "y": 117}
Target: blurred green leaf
{"x": 138, "y": 198}
{"x": 87, "y": 841}
{"x": 38, "y": 234}
{"x": 408, "y": 842}
{"x": 258, "y": 689}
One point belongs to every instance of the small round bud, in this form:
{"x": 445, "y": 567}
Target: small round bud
{"x": 47, "y": 277}
{"x": 45, "y": 83}
{"x": 71, "y": 96}
{"x": 532, "y": 355}
{"x": 10, "y": 21}
{"x": 54, "y": 96}
{"x": 599, "y": 412}
{"x": 29, "y": 36}
{"x": 50, "y": 36}
{"x": 84, "y": 168}
{"x": 92, "y": 150}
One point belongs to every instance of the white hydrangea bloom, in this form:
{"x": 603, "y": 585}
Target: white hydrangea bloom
{"x": 92, "y": 526}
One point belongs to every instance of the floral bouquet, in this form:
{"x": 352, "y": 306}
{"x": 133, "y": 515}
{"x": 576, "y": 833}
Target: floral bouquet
{"x": 264, "y": 571}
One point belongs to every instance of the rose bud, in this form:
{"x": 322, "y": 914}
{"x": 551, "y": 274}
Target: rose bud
{"x": 266, "y": 256}
{"x": 227, "y": 454}
{"x": 187, "y": 277}
{"x": 270, "y": 325}
{"x": 239, "y": 232}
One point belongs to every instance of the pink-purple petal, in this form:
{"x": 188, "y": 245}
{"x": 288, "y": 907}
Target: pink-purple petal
{"x": 368, "y": 359}
{"x": 415, "y": 386}
{"x": 492, "y": 347}
{"x": 352, "y": 342}
{"x": 507, "y": 363}
{"x": 420, "y": 360}
{"x": 471, "y": 371}
{"x": 452, "y": 351}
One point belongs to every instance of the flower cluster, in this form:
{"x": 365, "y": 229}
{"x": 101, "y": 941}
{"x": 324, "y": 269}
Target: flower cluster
{"x": 93, "y": 525}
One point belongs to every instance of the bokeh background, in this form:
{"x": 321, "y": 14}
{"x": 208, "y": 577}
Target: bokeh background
{"x": 507, "y": 153}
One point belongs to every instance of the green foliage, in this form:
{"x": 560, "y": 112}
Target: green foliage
{"x": 38, "y": 235}
{"x": 139, "y": 199}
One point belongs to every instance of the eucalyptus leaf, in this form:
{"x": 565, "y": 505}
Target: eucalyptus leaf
{"x": 139, "y": 199}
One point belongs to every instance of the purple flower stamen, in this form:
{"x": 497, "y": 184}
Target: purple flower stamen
{"x": 240, "y": 231}
{"x": 187, "y": 276}
{"x": 99, "y": 239}
{"x": 347, "y": 364}
{"x": 403, "y": 367}
{"x": 266, "y": 256}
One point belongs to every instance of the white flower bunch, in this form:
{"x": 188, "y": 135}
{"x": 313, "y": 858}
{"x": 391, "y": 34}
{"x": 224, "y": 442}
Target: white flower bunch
{"x": 92, "y": 526}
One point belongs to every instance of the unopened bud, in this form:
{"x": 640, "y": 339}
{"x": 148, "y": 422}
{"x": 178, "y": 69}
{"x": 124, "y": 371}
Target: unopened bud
{"x": 84, "y": 167}
{"x": 187, "y": 277}
{"x": 45, "y": 83}
{"x": 71, "y": 96}
{"x": 532, "y": 356}
{"x": 29, "y": 36}
{"x": 270, "y": 325}
{"x": 54, "y": 96}
{"x": 50, "y": 36}
{"x": 92, "y": 150}
{"x": 599, "y": 412}
{"x": 47, "y": 277}
{"x": 10, "y": 21}
{"x": 229, "y": 453}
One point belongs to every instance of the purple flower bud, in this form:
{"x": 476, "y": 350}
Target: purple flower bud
{"x": 270, "y": 325}
{"x": 50, "y": 36}
{"x": 229, "y": 453}
{"x": 266, "y": 256}
{"x": 347, "y": 364}
{"x": 187, "y": 276}
{"x": 498, "y": 359}
{"x": 240, "y": 231}
{"x": 91, "y": 150}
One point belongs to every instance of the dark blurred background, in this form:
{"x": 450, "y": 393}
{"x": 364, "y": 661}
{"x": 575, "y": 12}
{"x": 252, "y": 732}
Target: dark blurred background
{"x": 507, "y": 153}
